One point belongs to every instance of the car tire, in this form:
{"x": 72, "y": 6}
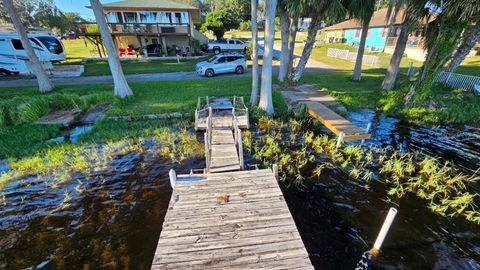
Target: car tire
{"x": 209, "y": 73}
{"x": 216, "y": 50}
{"x": 239, "y": 70}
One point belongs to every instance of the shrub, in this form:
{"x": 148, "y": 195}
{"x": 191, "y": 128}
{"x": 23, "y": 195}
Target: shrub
{"x": 245, "y": 25}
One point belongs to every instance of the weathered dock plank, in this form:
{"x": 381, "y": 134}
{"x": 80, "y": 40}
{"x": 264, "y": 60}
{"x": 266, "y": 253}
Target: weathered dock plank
{"x": 232, "y": 220}
{"x": 336, "y": 123}
{"x": 322, "y": 106}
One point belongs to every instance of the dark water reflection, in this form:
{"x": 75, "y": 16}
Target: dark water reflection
{"x": 112, "y": 220}
{"x": 109, "y": 220}
{"x": 339, "y": 218}
{"x": 459, "y": 144}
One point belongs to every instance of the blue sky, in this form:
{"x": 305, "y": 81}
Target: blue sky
{"x": 78, "y": 6}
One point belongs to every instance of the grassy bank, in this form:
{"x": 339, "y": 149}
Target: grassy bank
{"x": 446, "y": 105}
{"x": 20, "y": 136}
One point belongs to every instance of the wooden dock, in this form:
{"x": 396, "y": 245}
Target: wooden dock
{"x": 223, "y": 111}
{"x": 227, "y": 218}
{"x": 223, "y": 152}
{"x": 233, "y": 220}
{"x": 319, "y": 106}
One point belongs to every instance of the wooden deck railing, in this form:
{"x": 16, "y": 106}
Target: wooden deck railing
{"x": 91, "y": 28}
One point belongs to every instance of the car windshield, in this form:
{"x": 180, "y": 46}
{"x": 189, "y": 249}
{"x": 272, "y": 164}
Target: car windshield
{"x": 211, "y": 59}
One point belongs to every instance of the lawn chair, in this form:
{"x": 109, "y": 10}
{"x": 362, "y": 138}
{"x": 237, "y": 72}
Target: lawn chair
{"x": 130, "y": 50}
{"x": 122, "y": 52}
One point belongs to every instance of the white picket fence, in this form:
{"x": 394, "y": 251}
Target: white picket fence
{"x": 368, "y": 60}
{"x": 466, "y": 82}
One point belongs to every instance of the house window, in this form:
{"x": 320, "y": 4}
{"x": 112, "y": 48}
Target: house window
{"x": 178, "y": 17}
{"x": 114, "y": 17}
{"x": 130, "y": 17}
{"x": 358, "y": 33}
{"x": 185, "y": 17}
{"x": 148, "y": 17}
{"x": 385, "y": 32}
{"x": 169, "y": 17}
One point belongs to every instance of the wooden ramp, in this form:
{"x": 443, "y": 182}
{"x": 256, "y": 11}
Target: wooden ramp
{"x": 223, "y": 111}
{"x": 233, "y": 220}
{"x": 336, "y": 123}
{"x": 224, "y": 156}
{"x": 319, "y": 105}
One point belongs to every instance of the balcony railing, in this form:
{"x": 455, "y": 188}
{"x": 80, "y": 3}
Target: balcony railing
{"x": 85, "y": 29}
{"x": 414, "y": 42}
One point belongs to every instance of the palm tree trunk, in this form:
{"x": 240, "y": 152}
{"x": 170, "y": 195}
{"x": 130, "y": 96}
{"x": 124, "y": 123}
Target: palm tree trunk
{"x": 284, "y": 56}
{"x": 357, "y": 71}
{"x": 254, "y": 95}
{"x": 120, "y": 85}
{"x": 266, "y": 102}
{"x": 468, "y": 42}
{"x": 44, "y": 83}
{"x": 394, "y": 66}
{"x": 307, "y": 50}
{"x": 291, "y": 44}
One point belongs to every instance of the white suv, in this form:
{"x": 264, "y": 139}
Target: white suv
{"x": 222, "y": 63}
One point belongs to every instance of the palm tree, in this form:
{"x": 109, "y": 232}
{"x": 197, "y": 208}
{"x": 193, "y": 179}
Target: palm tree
{"x": 266, "y": 102}
{"x": 409, "y": 23}
{"x": 44, "y": 83}
{"x": 363, "y": 11}
{"x": 254, "y": 95}
{"x": 471, "y": 38}
{"x": 120, "y": 85}
{"x": 318, "y": 10}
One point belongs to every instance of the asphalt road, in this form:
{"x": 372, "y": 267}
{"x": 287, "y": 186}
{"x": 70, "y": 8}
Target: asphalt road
{"x": 8, "y": 82}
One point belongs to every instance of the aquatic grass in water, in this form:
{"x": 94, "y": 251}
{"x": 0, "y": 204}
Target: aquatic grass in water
{"x": 59, "y": 161}
{"x": 447, "y": 191}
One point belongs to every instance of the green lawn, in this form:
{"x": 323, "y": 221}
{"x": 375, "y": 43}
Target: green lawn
{"x": 141, "y": 66}
{"x": 78, "y": 49}
{"x": 319, "y": 53}
{"x": 470, "y": 66}
{"x": 21, "y": 137}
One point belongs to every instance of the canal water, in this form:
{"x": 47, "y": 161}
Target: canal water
{"x": 112, "y": 219}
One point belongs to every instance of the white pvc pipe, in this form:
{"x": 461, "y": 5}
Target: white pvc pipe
{"x": 385, "y": 227}
{"x": 173, "y": 178}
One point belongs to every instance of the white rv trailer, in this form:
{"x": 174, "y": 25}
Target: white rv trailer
{"x": 13, "y": 58}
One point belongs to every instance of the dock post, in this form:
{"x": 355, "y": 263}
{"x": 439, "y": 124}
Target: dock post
{"x": 369, "y": 126}
{"x": 275, "y": 170}
{"x": 173, "y": 178}
{"x": 340, "y": 140}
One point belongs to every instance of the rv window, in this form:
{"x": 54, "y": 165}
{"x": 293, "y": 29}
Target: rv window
{"x": 53, "y": 44}
{"x": 36, "y": 42}
{"x": 17, "y": 44}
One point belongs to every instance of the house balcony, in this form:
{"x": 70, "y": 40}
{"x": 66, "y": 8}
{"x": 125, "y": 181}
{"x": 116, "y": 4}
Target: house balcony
{"x": 413, "y": 42}
{"x": 148, "y": 29}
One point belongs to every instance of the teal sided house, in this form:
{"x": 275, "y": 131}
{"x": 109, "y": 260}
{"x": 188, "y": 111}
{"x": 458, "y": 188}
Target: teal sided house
{"x": 350, "y": 31}
{"x": 376, "y": 37}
